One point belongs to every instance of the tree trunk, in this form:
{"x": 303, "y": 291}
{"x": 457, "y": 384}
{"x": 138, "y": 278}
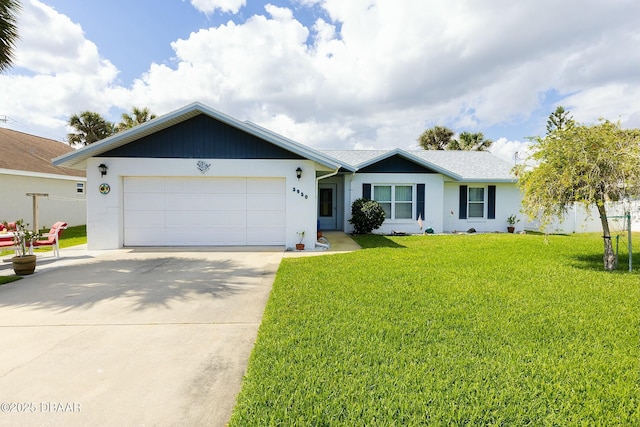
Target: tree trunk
{"x": 609, "y": 256}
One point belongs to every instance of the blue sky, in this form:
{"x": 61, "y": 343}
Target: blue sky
{"x": 329, "y": 73}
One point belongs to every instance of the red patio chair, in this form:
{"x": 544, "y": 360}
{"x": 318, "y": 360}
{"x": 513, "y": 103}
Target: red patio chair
{"x": 6, "y": 241}
{"x": 53, "y": 238}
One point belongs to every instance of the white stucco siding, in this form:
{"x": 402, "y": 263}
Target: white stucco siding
{"x": 270, "y": 207}
{"x": 508, "y": 202}
{"x": 63, "y": 204}
{"x": 434, "y": 192}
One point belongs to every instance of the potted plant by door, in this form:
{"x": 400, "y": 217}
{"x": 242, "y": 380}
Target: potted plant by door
{"x": 300, "y": 246}
{"x": 512, "y": 220}
{"x": 23, "y": 263}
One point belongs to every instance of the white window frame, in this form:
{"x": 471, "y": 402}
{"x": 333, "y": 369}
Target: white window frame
{"x": 470, "y": 202}
{"x": 393, "y": 200}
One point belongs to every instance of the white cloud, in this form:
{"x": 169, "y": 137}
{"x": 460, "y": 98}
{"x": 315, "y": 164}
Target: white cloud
{"x": 62, "y": 73}
{"x": 511, "y": 151}
{"x": 590, "y": 105}
{"x": 210, "y": 6}
{"x": 367, "y": 73}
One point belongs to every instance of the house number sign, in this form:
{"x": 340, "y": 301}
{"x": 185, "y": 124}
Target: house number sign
{"x": 104, "y": 188}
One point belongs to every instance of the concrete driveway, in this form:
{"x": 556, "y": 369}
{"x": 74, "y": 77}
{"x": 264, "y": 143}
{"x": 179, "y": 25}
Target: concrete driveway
{"x": 132, "y": 337}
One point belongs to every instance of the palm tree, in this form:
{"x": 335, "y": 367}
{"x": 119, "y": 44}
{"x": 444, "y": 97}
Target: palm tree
{"x": 90, "y": 127}
{"x": 8, "y": 31}
{"x": 441, "y": 138}
{"x": 436, "y": 138}
{"x": 473, "y": 142}
{"x": 137, "y": 116}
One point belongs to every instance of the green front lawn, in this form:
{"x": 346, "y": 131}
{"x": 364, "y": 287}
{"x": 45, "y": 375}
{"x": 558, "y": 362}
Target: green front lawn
{"x": 449, "y": 330}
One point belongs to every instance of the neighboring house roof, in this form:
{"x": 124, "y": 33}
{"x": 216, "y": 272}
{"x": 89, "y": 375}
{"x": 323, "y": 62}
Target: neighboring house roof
{"x": 28, "y": 153}
{"x": 476, "y": 166}
{"x": 78, "y": 158}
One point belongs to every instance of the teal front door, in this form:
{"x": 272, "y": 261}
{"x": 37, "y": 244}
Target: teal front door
{"x": 327, "y": 209}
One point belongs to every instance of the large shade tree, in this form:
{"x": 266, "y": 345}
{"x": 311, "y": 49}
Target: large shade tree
{"x": 583, "y": 164}
{"x": 90, "y": 127}
{"x": 137, "y": 116}
{"x": 8, "y": 31}
{"x": 442, "y": 138}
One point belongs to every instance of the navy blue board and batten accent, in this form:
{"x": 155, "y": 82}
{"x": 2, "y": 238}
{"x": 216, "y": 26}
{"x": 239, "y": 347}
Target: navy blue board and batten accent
{"x": 366, "y": 191}
{"x": 201, "y": 137}
{"x": 395, "y": 164}
{"x": 420, "y": 196}
{"x": 462, "y": 208}
{"x": 491, "y": 196}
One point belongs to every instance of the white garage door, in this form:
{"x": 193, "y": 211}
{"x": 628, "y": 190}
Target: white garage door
{"x": 204, "y": 211}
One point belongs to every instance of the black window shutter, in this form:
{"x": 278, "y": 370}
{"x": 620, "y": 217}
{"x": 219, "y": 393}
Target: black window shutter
{"x": 491, "y": 209}
{"x": 366, "y": 191}
{"x": 463, "y": 202}
{"x": 420, "y": 196}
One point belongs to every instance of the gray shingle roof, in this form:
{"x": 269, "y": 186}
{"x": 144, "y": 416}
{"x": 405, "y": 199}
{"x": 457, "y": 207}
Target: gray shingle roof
{"x": 458, "y": 165}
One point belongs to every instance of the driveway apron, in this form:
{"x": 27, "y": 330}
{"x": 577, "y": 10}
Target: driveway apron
{"x": 132, "y": 337}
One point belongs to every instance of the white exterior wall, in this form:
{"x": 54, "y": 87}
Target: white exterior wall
{"x": 508, "y": 202}
{"x": 434, "y": 192}
{"x": 106, "y": 212}
{"x": 63, "y": 204}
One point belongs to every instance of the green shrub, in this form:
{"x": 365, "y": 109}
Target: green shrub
{"x": 366, "y": 216}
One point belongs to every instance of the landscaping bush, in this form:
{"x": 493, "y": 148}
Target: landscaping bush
{"x": 366, "y": 216}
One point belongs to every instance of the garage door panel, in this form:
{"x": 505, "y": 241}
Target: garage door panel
{"x": 191, "y": 202}
{"x": 265, "y": 185}
{"x": 145, "y": 237}
{"x": 185, "y": 237}
{"x": 264, "y": 237}
{"x": 204, "y": 211}
{"x": 144, "y": 202}
{"x": 233, "y": 219}
{"x": 146, "y": 219}
{"x": 265, "y": 219}
{"x": 182, "y": 220}
{"x": 231, "y": 237}
{"x": 144, "y": 185}
{"x": 228, "y": 202}
{"x": 229, "y": 186}
{"x": 266, "y": 202}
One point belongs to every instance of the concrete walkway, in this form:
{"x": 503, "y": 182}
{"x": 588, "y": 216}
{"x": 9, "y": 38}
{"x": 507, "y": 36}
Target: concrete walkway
{"x": 134, "y": 336}
{"x": 339, "y": 242}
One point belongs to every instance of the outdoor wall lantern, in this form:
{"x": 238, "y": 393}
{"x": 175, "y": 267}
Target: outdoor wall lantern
{"x": 103, "y": 169}
{"x": 299, "y": 173}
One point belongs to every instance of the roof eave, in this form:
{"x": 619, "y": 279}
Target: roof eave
{"x": 489, "y": 180}
{"x": 297, "y": 148}
{"x": 77, "y": 159}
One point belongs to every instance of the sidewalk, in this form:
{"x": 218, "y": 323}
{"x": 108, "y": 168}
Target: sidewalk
{"x": 339, "y": 242}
